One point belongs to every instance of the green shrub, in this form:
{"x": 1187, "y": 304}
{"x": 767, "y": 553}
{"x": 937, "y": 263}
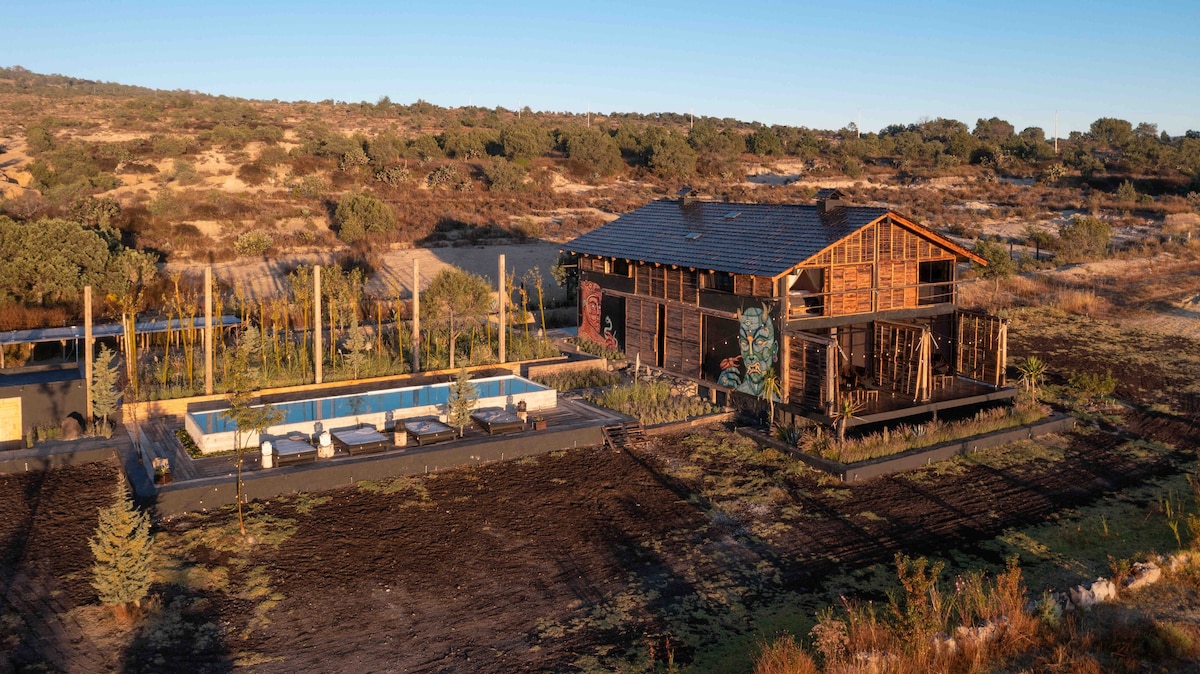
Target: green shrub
{"x": 588, "y": 346}
{"x": 1093, "y": 385}
{"x": 253, "y": 243}
{"x": 360, "y": 214}
{"x": 504, "y": 176}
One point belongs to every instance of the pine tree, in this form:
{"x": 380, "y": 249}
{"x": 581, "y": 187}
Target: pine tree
{"x": 104, "y": 385}
{"x": 463, "y": 395}
{"x": 123, "y": 551}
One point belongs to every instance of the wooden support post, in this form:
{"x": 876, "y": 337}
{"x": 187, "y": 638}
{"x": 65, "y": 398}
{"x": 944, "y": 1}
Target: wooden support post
{"x": 500, "y": 300}
{"x": 208, "y": 331}
{"x": 87, "y": 346}
{"x": 925, "y": 366}
{"x": 1002, "y": 355}
{"x": 318, "y": 355}
{"x": 416, "y": 327}
{"x": 785, "y": 368}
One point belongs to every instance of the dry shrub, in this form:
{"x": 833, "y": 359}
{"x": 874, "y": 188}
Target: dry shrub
{"x": 1080, "y": 302}
{"x": 16, "y": 316}
{"x": 784, "y": 656}
{"x": 910, "y": 634}
{"x": 254, "y": 173}
{"x": 1025, "y": 287}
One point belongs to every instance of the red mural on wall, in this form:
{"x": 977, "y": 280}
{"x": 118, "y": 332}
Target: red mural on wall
{"x": 595, "y": 327}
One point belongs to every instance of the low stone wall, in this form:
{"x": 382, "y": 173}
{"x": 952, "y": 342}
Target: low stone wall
{"x": 887, "y": 465}
{"x": 216, "y": 492}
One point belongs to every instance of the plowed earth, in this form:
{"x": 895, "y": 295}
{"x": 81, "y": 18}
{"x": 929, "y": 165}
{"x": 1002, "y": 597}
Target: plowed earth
{"x": 520, "y": 566}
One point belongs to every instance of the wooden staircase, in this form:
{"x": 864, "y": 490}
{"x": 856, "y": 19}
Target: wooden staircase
{"x": 625, "y": 436}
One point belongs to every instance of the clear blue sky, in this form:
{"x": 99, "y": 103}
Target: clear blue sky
{"x": 813, "y": 64}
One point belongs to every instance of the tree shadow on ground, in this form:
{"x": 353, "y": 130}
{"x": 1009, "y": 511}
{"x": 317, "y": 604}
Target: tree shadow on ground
{"x": 181, "y": 632}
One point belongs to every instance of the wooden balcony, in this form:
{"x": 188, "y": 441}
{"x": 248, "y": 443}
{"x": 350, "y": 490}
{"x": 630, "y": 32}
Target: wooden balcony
{"x": 921, "y": 299}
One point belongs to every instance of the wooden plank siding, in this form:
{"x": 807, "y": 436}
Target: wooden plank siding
{"x": 683, "y": 341}
{"x": 811, "y": 367}
{"x": 679, "y": 284}
{"x": 639, "y": 332}
{"x": 875, "y": 269}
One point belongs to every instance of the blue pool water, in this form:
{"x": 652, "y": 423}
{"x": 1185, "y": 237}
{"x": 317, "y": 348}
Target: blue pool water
{"x": 366, "y": 403}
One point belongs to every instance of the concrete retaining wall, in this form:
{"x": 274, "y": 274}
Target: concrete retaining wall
{"x": 56, "y": 455}
{"x": 220, "y": 491}
{"x": 865, "y": 470}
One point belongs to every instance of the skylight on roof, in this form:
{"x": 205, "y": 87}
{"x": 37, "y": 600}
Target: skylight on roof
{"x": 692, "y": 236}
{"x": 732, "y": 214}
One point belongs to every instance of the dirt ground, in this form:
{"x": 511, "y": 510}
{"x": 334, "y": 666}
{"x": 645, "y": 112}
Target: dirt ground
{"x": 572, "y": 561}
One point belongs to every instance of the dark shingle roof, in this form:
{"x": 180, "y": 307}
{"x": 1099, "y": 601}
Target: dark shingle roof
{"x": 761, "y": 239}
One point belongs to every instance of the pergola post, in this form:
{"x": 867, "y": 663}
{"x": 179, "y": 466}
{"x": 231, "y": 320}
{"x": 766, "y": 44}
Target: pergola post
{"x": 318, "y": 347}
{"x": 416, "y": 311}
{"x": 208, "y": 331}
{"x": 500, "y": 300}
{"x": 87, "y": 347}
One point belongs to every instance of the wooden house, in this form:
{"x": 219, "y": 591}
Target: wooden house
{"x": 833, "y": 300}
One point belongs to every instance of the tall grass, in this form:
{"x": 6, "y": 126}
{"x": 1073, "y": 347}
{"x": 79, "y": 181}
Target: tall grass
{"x": 579, "y": 379}
{"x": 915, "y": 436}
{"x": 651, "y": 403}
{"x": 972, "y": 625}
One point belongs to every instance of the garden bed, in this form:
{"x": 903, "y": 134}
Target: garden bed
{"x": 653, "y": 402}
{"x": 865, "y": 470}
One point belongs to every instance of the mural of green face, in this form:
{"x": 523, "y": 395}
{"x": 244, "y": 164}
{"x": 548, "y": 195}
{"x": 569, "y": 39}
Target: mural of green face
{"x": 756, "y": 340}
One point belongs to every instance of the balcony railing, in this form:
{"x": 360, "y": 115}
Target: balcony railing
{"x": 812, "y": 305}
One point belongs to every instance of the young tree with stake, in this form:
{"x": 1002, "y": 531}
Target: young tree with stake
{"x": 463, "y": 395}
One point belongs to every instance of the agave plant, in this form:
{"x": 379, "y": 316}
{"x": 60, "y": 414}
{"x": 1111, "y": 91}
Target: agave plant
{"x": 846, "y": 410}
{"x": 1033, "y": 370}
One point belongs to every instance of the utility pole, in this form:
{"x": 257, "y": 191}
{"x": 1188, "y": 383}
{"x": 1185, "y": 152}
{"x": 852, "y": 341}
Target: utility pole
{"x": 318, "y": 347}
{"x": 589, "y": 116}
{"x": 1056, "y": 132}
{"x": 500, "y": 300}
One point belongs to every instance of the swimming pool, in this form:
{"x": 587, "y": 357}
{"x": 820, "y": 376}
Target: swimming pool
{"x": 214, "y": 431}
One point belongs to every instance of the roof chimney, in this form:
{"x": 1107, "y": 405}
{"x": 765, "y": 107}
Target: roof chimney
{"x": 828, "y": 199}
{"x": 686, "y": 195}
